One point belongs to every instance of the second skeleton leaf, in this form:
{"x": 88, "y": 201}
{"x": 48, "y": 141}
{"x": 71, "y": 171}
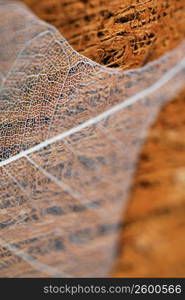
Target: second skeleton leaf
{"x": 123, "y": 34}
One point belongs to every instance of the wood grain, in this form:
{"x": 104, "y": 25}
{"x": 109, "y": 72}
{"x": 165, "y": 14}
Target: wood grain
{"x": 152, "y": 241}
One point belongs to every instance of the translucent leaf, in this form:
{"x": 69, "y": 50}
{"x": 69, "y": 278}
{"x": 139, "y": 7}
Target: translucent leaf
{"x": 71, "y": 131}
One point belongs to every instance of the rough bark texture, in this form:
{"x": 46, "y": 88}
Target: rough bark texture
{"x": 128, "y": 34}
{"x": 116, "y": 33}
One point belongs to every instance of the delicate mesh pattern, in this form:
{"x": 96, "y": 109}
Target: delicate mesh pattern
{"x": 71, "y": 131}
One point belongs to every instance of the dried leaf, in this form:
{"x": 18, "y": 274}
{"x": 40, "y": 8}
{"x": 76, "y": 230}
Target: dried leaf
{"x": 71, "y": 132}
